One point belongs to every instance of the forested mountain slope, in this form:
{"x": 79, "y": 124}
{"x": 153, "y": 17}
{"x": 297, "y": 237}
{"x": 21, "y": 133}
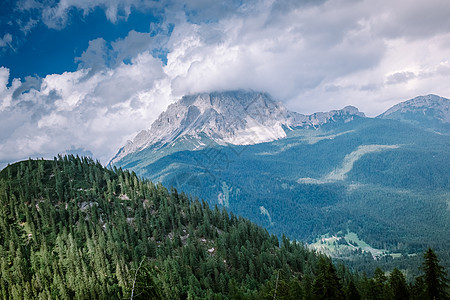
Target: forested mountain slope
{"x": 384, "y": 179}
{"x": 71, "y": 229}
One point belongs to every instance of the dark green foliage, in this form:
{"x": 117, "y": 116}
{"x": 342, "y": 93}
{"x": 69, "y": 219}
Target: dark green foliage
{"x": 146, "y": 282}
{"x": 71, "y": 229}
{"x": 327, "y": 284}
{"x": 435, "y": 280}
{"x": 378, "y": 285}
{"x": 398, "y": 285}
{"x": 352, "y": 292}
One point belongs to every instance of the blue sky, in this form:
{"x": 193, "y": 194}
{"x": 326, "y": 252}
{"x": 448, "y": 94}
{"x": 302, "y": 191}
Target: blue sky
{"x": 87, "y": 75}
{"x": 42, "y": 50}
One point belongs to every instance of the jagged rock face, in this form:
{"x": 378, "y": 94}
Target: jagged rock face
{"x": 431, "y": 106}
{"x": 346, "y": 114}
{"x": 235, "y": 117}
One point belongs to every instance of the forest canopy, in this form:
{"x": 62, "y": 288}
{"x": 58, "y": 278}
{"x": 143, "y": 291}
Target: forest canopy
{"x": 72, "y": 229}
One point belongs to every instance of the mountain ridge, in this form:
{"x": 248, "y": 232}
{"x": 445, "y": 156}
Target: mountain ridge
{"x": 245, "y": 117}
{"x": 422, "y": 104}
{"x": 232, "y": 117}
{"x": 430, "y": 112}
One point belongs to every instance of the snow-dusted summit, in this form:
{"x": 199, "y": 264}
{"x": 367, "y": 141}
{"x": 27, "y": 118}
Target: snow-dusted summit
{"x": 234, "y": 117}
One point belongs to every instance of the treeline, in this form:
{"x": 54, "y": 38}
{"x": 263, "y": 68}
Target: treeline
{"x": 71, "y": 229}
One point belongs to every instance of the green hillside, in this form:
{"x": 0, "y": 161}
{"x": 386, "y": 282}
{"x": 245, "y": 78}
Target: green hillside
{"x": 70, "y": 228}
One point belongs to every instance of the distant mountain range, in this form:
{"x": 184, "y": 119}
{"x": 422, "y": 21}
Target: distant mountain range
{"x": 385, "y": 179}
{"x": 236, "y": 117}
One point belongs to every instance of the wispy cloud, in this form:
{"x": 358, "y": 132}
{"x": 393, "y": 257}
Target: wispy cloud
{"x": 6, "y": 41}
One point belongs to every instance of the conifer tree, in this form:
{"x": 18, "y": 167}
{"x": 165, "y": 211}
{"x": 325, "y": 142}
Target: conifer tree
{"x": 435, "y": 277}
{"x": 326, "y": 284}
{"x": 398, "y": 285}
{"x": 352, "y": 292}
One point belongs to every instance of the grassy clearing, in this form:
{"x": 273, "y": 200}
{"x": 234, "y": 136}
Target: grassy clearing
{"x": 346, "y": 246}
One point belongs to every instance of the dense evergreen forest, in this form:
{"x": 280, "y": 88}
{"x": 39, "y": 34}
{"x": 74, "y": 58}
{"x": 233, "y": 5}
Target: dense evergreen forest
{"x": 72, "y": 229}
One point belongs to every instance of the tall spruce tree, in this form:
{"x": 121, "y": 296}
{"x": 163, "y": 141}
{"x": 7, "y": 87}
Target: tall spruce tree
{"x": 435, "y": 277}
{"x": 327, "y": 284}
{"x": 398, "y": 285}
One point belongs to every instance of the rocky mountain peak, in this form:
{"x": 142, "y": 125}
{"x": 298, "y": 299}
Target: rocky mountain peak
{"x": 235, "y": 117}
{"x": 420, "y": 109}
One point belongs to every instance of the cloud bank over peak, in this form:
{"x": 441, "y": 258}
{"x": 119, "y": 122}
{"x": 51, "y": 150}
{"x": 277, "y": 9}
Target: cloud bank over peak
{"x": 312, "y": 55}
